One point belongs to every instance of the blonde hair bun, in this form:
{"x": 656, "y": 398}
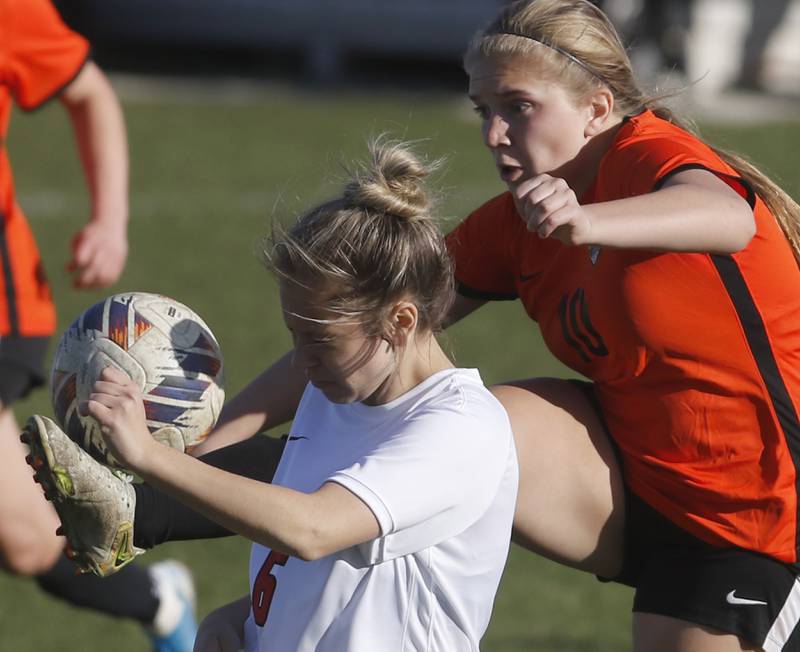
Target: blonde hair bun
{"x": 373, "y": 245}
{"x": 392, "y": 182}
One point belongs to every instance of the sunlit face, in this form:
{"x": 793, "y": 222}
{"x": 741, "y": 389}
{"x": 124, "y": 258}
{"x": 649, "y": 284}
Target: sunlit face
{"x": 339, "y": 359}
{"x": 531, "y": 126}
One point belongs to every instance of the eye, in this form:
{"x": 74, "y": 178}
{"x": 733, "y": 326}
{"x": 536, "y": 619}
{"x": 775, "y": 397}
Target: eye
{"x": 481, "y": 111}
{"x": 521, "y": 107}
{"x": 304, "y": 339}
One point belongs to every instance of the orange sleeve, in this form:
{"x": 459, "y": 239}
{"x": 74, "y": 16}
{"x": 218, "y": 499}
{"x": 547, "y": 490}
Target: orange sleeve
{"x": 482, "y": 250}
{"x": 644, "y": 160}
{"x": 42, "y": 54}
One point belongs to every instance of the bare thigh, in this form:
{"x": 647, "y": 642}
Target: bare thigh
{"x": 571, "y": 497}
{"x": 28, "y": 544}
{"x": 654, "y": 633}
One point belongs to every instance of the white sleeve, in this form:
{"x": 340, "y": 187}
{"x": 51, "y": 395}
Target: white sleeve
{"x": 435, "y": 477}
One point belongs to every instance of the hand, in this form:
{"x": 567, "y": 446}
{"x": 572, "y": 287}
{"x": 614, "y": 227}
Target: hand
{"x": 99, "y": 252}
{"x": 550, "y": 208}
{"x": 116, "y": 404}
{"x": 220, "y": 631}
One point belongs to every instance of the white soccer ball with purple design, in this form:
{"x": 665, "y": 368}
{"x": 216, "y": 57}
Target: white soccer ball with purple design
{"x": 162, "y": 345}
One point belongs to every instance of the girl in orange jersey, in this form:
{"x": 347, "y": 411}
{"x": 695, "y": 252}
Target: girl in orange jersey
{"x": 665, "y": 272}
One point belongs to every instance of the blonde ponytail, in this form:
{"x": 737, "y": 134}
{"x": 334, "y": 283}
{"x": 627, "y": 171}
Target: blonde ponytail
{"x": 780, "y": 204}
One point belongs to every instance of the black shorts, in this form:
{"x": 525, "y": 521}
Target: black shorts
{"x": 733, "y": 590}
{"x": 21, "y": 366}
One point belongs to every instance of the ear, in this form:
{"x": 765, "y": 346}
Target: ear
{"x": 600, "y": 108}
{"x": 403, "y": 322}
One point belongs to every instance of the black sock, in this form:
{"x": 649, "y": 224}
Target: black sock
{"x": 126, "y": 594}
{"x": 160, "y": 518}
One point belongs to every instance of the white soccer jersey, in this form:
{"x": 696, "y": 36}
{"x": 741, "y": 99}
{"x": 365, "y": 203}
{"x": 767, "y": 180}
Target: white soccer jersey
{"x": 438, "y": 468}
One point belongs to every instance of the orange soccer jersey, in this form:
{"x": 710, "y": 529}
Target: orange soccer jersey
{"x": 695, "y": 357}
{"x": 39, "y": 55}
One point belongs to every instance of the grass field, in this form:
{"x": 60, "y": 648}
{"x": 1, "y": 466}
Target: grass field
{"x": 206, "y": 178}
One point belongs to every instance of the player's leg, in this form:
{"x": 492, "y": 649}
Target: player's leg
{"x": 571, "y": 498}
{"x": 128, "y": 594}
{"x": 695, "y": 597}
{"x": 28, "y": 543}
{"x": 653, "y": 633}
{"x": 698, "y": 598}
{"x": 160, "y": 518}
{"x": 159, "y": 597}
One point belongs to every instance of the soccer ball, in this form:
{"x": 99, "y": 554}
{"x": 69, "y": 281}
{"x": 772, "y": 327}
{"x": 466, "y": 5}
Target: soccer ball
{"x": 163, "y": 346}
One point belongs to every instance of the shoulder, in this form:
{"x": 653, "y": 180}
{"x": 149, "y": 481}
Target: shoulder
{"x": 646, "y": 136}
{"x": 487, "y": 231}
{"x": 646, "y": 149}
{"x": 458, "y": 426}
{"x": 471, "y": 429}
{"x": 40, "y": 54}
{"x": 26, "y": 19}
{"x": 489, "y": 215}
{"x": 459, "y": 400}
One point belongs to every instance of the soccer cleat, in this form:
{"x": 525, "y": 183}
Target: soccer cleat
{"x": 175, "y": 625}
{"x": 96, "y": 507}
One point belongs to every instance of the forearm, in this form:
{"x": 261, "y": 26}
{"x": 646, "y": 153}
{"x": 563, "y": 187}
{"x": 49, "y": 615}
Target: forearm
{"x": 160, "y": 517}
{"x": 268, "y": 401}
{"x": 679, "y": 217}
{"x": 461, "y": 307}
{"x": 99, "y": 129}
{"x": 296, "y": 523}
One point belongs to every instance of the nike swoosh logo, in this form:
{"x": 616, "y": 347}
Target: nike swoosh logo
{"x": 732, "y": 599}
{"x": 294, "y": 437}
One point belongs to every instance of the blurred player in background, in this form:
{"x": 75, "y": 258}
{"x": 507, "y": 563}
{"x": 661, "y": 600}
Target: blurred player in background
{"x": 766, "y": 16}
{"x": 41, "y": 59}
{"x": 389, "y": 520}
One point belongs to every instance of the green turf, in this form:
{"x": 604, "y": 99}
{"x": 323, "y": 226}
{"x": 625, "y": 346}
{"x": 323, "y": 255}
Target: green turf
{"x": 206, "y": 179}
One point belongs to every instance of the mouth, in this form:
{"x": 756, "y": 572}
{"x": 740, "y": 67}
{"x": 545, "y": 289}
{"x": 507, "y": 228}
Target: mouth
{"x": 510, "y": 173}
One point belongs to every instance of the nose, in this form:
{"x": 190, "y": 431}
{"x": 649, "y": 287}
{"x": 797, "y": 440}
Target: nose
{"x": 495, "y": 131}
{"x": 302, "y": 359}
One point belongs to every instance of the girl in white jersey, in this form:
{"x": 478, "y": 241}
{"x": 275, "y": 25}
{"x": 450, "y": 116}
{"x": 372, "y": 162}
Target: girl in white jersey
{"x": 388, "y": 521}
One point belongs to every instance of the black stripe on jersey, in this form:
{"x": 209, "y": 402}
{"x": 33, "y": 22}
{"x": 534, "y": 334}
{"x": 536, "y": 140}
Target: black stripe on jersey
{"x": 757, "y": 338}
{"x": 749, "y": 193}
{"x": 471, "y": 293}
{"x": 8, "y": 277}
